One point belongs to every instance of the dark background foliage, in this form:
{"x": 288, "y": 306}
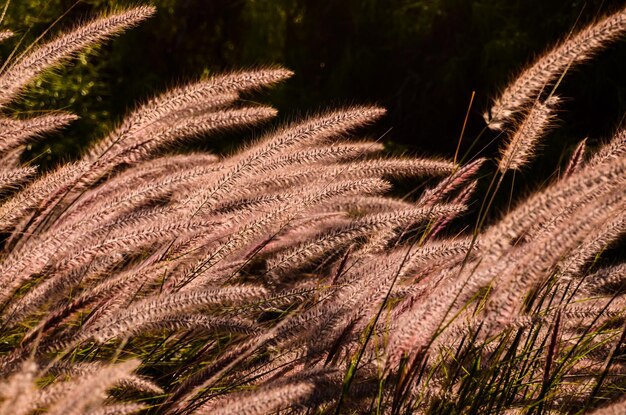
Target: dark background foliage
{"x": 421, "y": 59}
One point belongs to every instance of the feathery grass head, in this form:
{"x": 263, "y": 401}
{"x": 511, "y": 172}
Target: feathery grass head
{"x": 541, "y": 75}
{"x": 520, "y": 148}
{"x": 41, "y": 58}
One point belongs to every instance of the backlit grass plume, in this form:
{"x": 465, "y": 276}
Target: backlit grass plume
{"x": 542, "y": 74}
{"x": 290, "y": 276}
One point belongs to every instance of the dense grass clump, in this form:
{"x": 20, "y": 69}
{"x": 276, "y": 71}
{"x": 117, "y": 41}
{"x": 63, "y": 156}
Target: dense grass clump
{"x": 289, "y": 276}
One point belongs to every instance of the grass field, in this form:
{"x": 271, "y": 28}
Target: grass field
{"x": 294, "y": 275}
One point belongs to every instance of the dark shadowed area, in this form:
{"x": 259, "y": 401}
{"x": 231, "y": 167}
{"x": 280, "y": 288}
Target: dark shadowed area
{"x": 421, "y": 59}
